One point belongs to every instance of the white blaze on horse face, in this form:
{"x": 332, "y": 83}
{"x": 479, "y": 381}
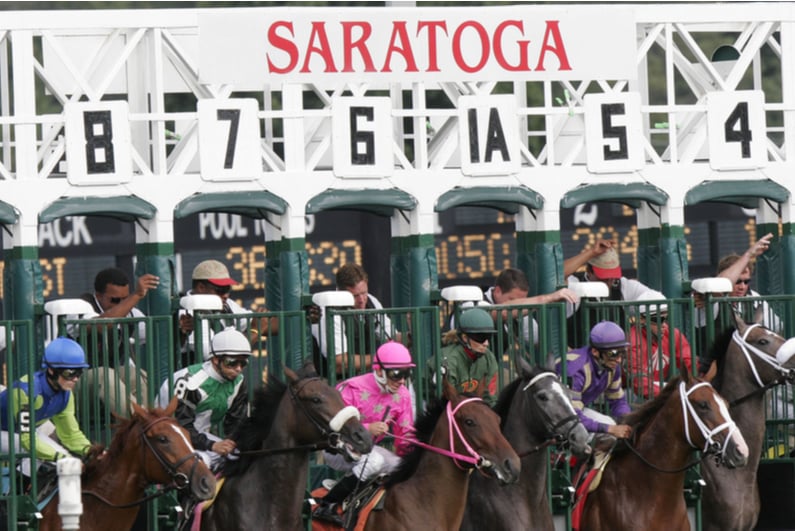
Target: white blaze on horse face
{"x": 181, "y": 434}
{"x": 737, "y": 437}
{"x": 564, "y": 397}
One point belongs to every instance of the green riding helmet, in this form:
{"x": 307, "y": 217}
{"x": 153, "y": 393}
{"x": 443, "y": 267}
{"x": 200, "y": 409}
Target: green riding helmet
{"x": 476, "y": 321}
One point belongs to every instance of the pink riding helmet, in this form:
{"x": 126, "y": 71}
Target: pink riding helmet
{"x": 392, "y": 355}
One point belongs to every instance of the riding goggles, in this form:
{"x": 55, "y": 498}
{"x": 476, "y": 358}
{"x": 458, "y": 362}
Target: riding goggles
{"x": 479, "y": 338}
{"x": 231, "y": 363}
{"x": 613, "y": 354}
{"x": 398, "y": 374}
{"x": 70, "y": 374}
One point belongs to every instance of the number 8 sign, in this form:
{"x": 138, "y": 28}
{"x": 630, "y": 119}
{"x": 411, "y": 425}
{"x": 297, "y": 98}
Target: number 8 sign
{"x": 98, "y": 142}
{"x": 736, "y": 129}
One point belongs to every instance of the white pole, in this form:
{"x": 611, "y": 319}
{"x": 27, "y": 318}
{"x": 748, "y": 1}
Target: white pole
{"x": 70, "y": 505}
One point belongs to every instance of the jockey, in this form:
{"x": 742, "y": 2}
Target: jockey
{"x": 594, "y": 370}
{"x": 385, "y": 406}
{"x": 50, "y": 394}
{"x": 466, "y": 359}
{"x": 212, "y": 396}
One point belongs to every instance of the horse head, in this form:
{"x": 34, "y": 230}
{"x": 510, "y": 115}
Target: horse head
{"x": 550, "y": 403}
{"x": 708, "y": 426}
{"x": 478, "y": 432}
{"x": 170, "y": 459}
{"x": 328, "y": 415}
{"x": 760, "y": 344}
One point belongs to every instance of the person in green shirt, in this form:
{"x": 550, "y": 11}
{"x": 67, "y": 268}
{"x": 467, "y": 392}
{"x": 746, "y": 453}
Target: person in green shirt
{"x": 466, "y": 360}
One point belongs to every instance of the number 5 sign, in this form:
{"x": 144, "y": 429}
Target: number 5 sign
{"x": 736, "y": 129}
{"x": 613, "y": 132}
{"x": 229, "y": 139}
{"x": 98, "y": 142}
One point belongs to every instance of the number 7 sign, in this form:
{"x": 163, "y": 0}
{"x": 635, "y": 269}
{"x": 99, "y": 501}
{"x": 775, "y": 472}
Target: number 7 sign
{"x": 736, "y": 129}
{"x": 229, "y": 139}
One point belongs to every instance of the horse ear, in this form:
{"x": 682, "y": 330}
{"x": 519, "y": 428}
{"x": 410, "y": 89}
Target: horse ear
{"x": 686, "y": 376}
{"x": 291, "y": 374}
{"x": 448, "y": 390}
{"x": 135, "y": 409}
{"x": 172, "y": 406}
{"x": 523, "y": 365}
{"x": 759, "y": 314}
{"x": 739, "y": 322}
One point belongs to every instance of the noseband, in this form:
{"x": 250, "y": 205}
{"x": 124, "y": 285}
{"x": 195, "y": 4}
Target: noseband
{"x": 330, "y": 431}
{"x": 710, "y": 445}
{"x": 782, "y": 356}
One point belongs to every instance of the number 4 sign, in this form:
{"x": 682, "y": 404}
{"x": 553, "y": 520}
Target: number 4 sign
{"x": 736, "y": 129}
{"x": 98, "y": 142}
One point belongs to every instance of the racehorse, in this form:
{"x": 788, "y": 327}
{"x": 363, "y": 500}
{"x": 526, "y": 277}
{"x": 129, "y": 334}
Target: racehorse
{"x": 642, "y": 485}
{"x": 536, "y": 411}
{"x": 264, "y": 489}
{"x": 750, "y": 360}
{"x": 429, "y": 488}
{"x": 150, "y": 448}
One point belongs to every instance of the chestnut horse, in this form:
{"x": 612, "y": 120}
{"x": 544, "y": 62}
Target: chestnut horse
{"x": 536, "y": 411}
{"x": 642, "y": 486}
{"x": 429, "y": 488}
{"x": 150, "y": 448}
{"x": 265, "y": 488}
{"x": 750, "y": 360}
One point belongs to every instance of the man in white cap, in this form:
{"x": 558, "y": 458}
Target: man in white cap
{"x": 602, "y": 264}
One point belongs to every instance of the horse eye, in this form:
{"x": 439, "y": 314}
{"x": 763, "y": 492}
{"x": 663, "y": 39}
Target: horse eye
{"x": 316, "y": 400}
{"x": 162, "y": 439}
{"x": 763, "y": 341}
{"x": 469, "y": 422}
{"x": 702, "y": 404}
{"x": 543, "y": 397}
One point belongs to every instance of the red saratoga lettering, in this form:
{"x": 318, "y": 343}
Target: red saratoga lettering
{"x": 399, "y": 34}
{"x": 552, "y": 33}
{"x": 432, "y": 26}
{"x": 360, "y": 44}
{"x": 484, "y": 46}
{"x": 282, "y": 43}
{"x": 324, "y": 49}
{"x": 523, "y": 65}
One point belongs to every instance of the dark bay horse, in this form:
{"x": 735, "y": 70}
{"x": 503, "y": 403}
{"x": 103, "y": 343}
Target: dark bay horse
{"x": 750, "y": 360}
{"x": 429, "y": 489}
{"x": 535, "y": 410}
{"x": 150, "y": 448}
{"x": 642, "y": 486}
{"x": 264, "y": 489}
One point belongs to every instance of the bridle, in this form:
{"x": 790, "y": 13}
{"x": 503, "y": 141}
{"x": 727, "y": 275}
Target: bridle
{"x": 711, "y": 446}
{"x": 556, "y": 435}
{"x": 783, "y": 355}
{"x": 330, "y": 437}
{"x": 179, "y": 480}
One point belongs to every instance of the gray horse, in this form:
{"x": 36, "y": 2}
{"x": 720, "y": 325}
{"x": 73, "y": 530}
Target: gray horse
{"x": 750, "y": 360}
{"x": 535, "y": 410}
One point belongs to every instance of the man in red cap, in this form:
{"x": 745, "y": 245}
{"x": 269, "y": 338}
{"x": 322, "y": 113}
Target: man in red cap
{"x": 602, "y": 264}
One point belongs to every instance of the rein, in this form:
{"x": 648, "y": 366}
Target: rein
{"x": 473, "y": 458}
{"x": 333, "y": 440}
{"x": 658, "y": 469}
{"x": 179, "y": 480}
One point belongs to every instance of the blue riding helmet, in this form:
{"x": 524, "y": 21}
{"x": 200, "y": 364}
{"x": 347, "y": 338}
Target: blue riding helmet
{"x": 64, "y": 353}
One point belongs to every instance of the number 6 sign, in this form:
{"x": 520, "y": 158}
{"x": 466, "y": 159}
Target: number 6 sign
{"x": 736, "y": 129}
{"x": 98, "y": 142}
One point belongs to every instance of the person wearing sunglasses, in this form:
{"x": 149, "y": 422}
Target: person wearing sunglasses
{"x": 595, "y": 370}
{"x": 212, "y": 396}
{"x": 115, "y": 375}
{"x": 384, "y": 402}
{"x": 465, "y": 358}
{"x": 739, "y": 270}
{"x": 50, "y": 392}
{"x": 654, "y": 346}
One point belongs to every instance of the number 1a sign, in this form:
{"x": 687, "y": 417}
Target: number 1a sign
{"x": 737, "y": 130}
{"x": 98, "y": 142}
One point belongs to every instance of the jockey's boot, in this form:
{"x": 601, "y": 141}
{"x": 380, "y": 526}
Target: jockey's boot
{"x": 333, "y": 499}
{"x": 46, "y": 480}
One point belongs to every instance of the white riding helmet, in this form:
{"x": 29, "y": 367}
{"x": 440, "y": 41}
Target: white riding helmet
{"x": 230, "y": 342}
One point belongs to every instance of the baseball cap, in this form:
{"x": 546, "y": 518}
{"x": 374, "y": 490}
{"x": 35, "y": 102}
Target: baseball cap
{"x": 213, "y": 272}
{"x": 608, "y": 334}
{"x": 606, "y": 265}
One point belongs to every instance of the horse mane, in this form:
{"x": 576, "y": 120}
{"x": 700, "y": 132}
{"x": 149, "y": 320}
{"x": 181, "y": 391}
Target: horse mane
{"x": 719, "y": 349}
{"x": 98, "y": 461}
{"x": 509, "y": 391}
{"x": 254, "y": 429}
{"x": 644, "y": 414}
{"x": 423, "y": 426}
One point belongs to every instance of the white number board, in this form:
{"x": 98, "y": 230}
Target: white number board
{"x": 229, "y": 139}
{"x": 488, "y": 130}
{"x": 98, "y": 142}
{"x": 362, "y": 136}
{"x": 737, "y": 130}
{"x": 613, "y": 135}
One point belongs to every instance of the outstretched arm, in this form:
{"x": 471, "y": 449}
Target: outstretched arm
{"x": 734, "y": 271}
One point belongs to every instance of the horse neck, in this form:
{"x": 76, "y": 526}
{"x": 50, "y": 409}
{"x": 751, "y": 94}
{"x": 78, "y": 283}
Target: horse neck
{"x": 737, "y": 381}
{"x": 438, "y": 482}
{"x": 663, "y": 443}
{"x": 521, "y": 430}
